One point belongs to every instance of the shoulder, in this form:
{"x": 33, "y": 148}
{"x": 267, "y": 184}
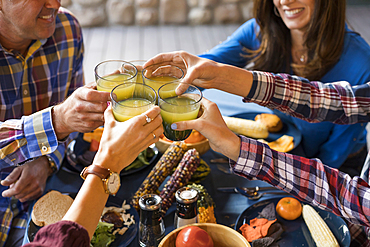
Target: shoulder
{"x": 250, "y": 25}
{"x": 246, "y": 34}
{"x": 354, "y": 43}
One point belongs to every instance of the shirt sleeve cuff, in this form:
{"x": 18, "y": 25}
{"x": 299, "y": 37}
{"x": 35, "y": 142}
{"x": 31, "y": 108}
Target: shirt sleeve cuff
{"x": 39, "y": 133}
{"x": 262, "y": 89}
{"x": 58, "y": 155}
{"x": 247, "y": 164}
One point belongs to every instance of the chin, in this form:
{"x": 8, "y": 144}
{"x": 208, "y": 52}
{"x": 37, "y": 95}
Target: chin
{"x": 295, "y": 26}
{"x": 44, "y": 34}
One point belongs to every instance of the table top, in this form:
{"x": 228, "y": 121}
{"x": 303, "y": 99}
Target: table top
{"x": 228, "y": 205}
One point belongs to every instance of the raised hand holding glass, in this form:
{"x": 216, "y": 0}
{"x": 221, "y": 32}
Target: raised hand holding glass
{"x": 175, "y": 108}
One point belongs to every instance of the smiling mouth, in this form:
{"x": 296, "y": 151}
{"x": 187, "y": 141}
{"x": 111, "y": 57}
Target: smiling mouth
{"x": 293, "y": 12}
{"x": 45, "y": 17}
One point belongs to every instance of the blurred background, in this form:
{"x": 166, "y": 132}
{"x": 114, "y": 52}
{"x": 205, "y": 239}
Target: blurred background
{"x": 140, "y": 29}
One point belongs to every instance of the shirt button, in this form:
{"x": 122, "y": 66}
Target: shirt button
{"x": 44, "y": 148}
{"x": 25, "y": 92}
{"x": 354, "y": 139}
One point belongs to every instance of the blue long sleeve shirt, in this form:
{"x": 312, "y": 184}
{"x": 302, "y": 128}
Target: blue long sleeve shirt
{"x": 329, "y": 142}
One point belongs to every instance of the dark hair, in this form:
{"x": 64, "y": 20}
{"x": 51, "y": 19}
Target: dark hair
{"x": 324, "y": 39}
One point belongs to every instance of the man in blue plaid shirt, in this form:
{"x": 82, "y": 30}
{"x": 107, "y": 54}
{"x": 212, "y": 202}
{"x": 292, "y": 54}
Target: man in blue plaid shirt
{"x": 41, "y": 55}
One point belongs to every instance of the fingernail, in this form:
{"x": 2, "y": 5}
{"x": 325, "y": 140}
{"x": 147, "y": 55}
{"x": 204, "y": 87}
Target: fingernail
{"x": 174, "y": 126}
{"x": 108, "y": 103}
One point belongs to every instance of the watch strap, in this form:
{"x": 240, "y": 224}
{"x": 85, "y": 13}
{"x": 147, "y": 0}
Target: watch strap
{"x": 52, "y": 165}
{"x": 99, "y": 171}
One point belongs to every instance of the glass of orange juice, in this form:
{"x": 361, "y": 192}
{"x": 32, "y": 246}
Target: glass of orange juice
{"x": 111, "y": 73}
{"x": 139, "y": 66}
{"x": 156, "y": 76}
{"x": 131, "y": 99}
{"x": 178, "y": 106}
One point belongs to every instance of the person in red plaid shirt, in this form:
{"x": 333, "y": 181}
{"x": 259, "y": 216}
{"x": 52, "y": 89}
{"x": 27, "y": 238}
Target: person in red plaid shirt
{"x": 307, "y": 179}
{"x": 41, "y": 58}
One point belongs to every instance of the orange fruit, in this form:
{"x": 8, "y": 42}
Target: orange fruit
{"x": 289, "y": 208}
{"x": 194, "y": 137}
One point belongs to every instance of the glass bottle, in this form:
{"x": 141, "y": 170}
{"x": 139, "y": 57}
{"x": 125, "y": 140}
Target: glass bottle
{"x": 186, "y": 207}
{"x": 151, "y": 226}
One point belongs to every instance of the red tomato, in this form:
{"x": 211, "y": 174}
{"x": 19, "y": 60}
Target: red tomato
{"x": 192, "y": 236}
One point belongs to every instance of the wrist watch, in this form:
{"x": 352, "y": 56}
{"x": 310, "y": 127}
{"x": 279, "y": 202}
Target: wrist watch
{"x": 52, "y": 165}
{"x": 111, "y": 180}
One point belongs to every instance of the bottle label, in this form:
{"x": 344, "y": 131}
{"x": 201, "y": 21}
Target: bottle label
{"x": 184, "y": 222}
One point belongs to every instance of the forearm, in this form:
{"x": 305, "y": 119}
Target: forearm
{"x": 307, "y": 179}
{"x": 61, "y": 130}
{"x": 88, "y": 205}
{"x": 337, "y": 102}
{"x": 233, "y": 80}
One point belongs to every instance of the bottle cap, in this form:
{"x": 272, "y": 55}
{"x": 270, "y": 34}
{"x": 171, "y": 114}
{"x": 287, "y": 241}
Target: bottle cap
{"x": 150, "y": 202}
{"x": 150, "y": 205}
{"x": 186, "y": 195}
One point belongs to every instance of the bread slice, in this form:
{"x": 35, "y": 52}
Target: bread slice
{"x": 50, "y": 208}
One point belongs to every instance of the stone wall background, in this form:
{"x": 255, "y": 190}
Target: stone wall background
{"x": 159, "y": 12}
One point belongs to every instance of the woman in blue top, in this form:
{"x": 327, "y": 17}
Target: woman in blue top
{"x": 311, "y": 39}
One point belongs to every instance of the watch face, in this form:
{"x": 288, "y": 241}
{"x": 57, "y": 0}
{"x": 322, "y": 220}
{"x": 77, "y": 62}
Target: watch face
{"x": 113, "y": 183}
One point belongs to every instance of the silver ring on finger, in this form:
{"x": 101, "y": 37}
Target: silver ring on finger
{"x": 154, "y": 136}
{"x": 148, "y": 119}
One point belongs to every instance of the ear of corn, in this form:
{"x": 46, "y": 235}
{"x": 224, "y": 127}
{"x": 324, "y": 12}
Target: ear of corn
{"x": 179, "y": 178}
{"x": 206, "y": 205}
{"x": 200, "y": 173}
{"x": 246, "y": 127}
{"x": 319, "y": 230}
{"x": 160, "y": 171}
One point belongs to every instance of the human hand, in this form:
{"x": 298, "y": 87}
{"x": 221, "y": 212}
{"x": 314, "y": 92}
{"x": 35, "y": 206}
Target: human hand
{"x": 27, "y": 182}
{"x": 122, "y": 142}
{"x": 205, "y": 73}
{"x": 82, "y": 111}
{"x": 198, "y": 71}
{"x": 211, "y": 125}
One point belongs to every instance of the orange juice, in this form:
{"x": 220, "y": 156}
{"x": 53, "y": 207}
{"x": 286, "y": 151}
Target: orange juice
{"x": 177, "y": 109}
{"x": 132, "y": 107}
{"x": 157, "y": 81}
{"x": 107, "y": 83}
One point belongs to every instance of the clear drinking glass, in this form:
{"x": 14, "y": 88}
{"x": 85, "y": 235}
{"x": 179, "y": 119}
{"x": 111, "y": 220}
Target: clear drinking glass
{"x": 131, "y": 99}
{"x": 139, "y": 66}
{"x": 111, "y": 73}
{"x": 156, "y": 76}
{"x": 178, "y": 106}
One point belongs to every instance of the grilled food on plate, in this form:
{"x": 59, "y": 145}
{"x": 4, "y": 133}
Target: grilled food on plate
{"x": 283, "y": 144}
{"x": 246, "y": 127}
{"x": 271, "y": 121}
{"x": 319, "y": 230}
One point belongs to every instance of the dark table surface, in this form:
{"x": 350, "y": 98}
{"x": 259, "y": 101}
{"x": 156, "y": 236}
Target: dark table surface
{"x": 228, "y": 205}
